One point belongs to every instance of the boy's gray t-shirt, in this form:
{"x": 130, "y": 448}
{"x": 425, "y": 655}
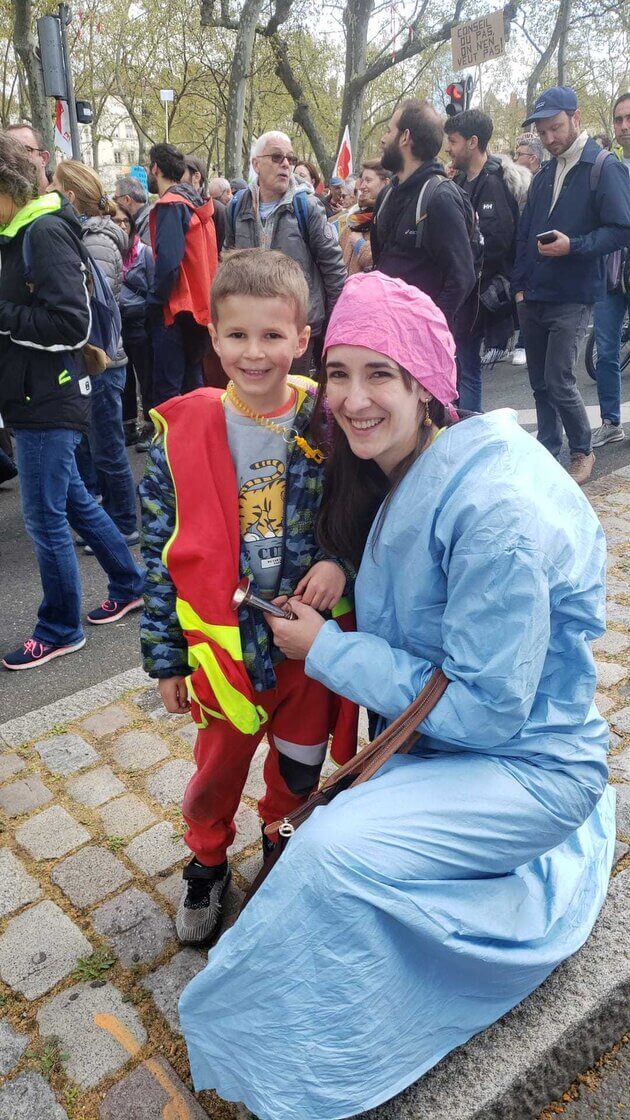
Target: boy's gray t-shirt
{"x": 260, "y": 461}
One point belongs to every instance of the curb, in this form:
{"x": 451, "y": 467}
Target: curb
{"x": 512, "y": 1070}
{"x": 16, "y": 731}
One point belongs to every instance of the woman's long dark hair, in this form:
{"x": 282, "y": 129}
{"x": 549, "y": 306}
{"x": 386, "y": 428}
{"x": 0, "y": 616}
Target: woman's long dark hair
{"x": 355, "y": 489}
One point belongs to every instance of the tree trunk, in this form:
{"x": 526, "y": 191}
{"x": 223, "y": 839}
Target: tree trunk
{"x": 24, "y": 43}
{"x": 546, "y": 56}
{"x": 95, "y": 140}
{"x": 241, "y": 63}
{"x": 301, "y": 114}
{"x": 562, "y": 41}
{"x": 356, "y": 19}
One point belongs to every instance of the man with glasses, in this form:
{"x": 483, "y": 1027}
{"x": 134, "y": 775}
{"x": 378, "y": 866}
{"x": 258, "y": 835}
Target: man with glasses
{"x": 276, "y": 213}
{"x": 33, "y": 142}
{"x": 529, "y": 152}
{"x": 132, "y": 197}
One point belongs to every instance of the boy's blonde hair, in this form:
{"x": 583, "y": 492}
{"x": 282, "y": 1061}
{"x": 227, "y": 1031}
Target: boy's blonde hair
{"x": 89, "y": 196}
{"x": 261, "y": 274}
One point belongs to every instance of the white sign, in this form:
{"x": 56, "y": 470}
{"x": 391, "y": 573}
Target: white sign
{"x": 62, "y": 129}
{"x": 478, "y": 40}
{"x": 167, "y": 95}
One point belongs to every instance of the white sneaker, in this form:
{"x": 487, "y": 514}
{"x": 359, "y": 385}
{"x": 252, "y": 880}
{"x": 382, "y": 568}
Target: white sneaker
{"x": 608, "y": 433}
{"x": 519, "y": 357}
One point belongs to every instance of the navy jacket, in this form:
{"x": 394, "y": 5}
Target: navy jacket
{"x": 597, "y": 222}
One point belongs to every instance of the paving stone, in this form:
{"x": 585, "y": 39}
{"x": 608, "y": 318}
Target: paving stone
{"x": 620, "y": 765}
{"x": 138, "y": 750}
{"x": 148, "y": 699}
{"x": 604, "y": 703}
{"x": 106, "y": 721}
{"x": 255, "y": 786}
{"x": 167, "y": 785}
{"x": 247, "y": 829}
{"x": 621, "y": 719}
{"x": 157, "y": 849}
{"x": 12, "y": 1046}
{"x": 29, "y": 1097}
{"x": 51, "y": 834}
{"x": 126, "y": 816}
{"x": 249, "y": 868}
{"x": 65, "y": 754}
{"x": 623, "y": 810}
{"x": 17, "y": 887}
{"x": 609, "y": 673}
{"x": 621, "y": 850}
{"x": 150, "y": 1091}
{"x": 167, "y": 983}
{"x": 617, "y": 613}
{"x": 135, "y": 927}
{"x": 78, "y": 1017}
{"x": 171, "y": 888}
{"x": 23, "y": 796}
{"x": 10, "y": 765}
{"x": 90, "y": 875}
{"x": 188, "y": 732}
{"x": 95, "y": 788}
{"x": 39, "y": 948}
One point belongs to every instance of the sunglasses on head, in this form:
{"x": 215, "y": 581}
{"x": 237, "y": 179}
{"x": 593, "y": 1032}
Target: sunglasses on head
{"x": 279, "y": 157}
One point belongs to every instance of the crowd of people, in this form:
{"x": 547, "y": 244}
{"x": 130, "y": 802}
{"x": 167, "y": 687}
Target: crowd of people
{"x": 307, "y": 365}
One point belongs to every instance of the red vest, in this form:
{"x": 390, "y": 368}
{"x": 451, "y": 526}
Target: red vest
{"x": 191, "y": 291}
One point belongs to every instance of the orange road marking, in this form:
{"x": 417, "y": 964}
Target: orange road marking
{"x": 176, "y": 1108}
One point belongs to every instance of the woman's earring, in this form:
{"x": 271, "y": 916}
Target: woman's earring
{"x": 427, "y": 419}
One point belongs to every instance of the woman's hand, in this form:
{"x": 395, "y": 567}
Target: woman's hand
{"x": 174, "y": 695}
{"x": 296, "y": 637}
{"x": 322, "y": 586}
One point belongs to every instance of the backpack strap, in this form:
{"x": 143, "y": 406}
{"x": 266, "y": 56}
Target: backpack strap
{"x": 233, "y": 206}
{"x": 300, "y": 207}
{"x": 598, "y": 167}
{"x": 424, "y": 201}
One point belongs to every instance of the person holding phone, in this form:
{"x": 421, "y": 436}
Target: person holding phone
{"x": 578, "y": 210}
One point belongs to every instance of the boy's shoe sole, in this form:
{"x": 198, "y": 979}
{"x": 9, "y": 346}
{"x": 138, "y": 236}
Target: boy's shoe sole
{"x": 59, "y": 652}
{"x": 196, "y": 927}
{"x": 125, "y": 608}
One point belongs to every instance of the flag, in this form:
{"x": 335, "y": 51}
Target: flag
{"x": 343, "y": 166}
{"x": 62, "y": 129}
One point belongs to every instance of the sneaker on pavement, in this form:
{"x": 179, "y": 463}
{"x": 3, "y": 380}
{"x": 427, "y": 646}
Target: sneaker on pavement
{"x": 608, "y": 433}
{"x": 581, "y": 467}
{"x": 130, "y": 539}
{"x": 110, "y": 610}
{"x": 494, "y": 355}
{"x": 35, "y": 653}
{"x": 132, "y": 435}
{"x": 200, "y": 908}
{"x": 519, "y": 357}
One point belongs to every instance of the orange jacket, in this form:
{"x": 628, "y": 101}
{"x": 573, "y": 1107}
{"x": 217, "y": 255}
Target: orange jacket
{"x": 191, "y": 291}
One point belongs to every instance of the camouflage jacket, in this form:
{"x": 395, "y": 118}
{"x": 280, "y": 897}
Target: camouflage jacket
{"x": 164, "y": 649}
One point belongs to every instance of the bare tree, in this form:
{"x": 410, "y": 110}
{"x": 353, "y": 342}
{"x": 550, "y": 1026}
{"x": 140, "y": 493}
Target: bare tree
{"x": 25, "y": 49}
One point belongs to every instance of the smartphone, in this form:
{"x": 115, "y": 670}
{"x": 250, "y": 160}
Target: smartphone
{"x": 547, "y": 238}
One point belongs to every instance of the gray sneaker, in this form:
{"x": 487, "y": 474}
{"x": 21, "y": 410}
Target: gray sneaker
{"x": 200, "y": 909}
{"x": 608, "y": 433}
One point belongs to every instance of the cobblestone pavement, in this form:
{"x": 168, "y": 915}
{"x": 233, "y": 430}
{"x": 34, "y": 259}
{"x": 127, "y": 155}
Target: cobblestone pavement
{"x": 90, "y": 876}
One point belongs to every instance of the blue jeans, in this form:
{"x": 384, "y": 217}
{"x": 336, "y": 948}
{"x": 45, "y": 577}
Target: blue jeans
{"x": 469, "y": 373}
{"x": 608, "y": 316}
{"x": 54, "y": 498}
{"x": 109, "y": 472}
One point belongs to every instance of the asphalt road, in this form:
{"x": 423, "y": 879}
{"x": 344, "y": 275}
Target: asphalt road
{"x": 114, "y": 648}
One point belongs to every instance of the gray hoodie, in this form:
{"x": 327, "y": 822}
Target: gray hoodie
{"x": 106, "y": 242}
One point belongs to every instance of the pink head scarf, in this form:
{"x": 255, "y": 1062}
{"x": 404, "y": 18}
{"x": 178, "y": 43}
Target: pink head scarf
{"x": 381, "y": 313}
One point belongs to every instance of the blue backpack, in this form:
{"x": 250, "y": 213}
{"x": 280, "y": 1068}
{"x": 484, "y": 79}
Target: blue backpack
{"x": 105, "y": 326}
{"x": 300, "y": 209}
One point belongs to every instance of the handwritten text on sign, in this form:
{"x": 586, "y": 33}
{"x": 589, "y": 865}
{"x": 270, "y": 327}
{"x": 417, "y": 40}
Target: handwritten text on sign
{"x": 478, "y": 40}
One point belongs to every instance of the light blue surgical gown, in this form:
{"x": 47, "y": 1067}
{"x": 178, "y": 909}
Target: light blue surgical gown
{"x": 414, "y": 911}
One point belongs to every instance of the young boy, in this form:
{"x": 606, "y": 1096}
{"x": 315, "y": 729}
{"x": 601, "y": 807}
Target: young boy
{"x": 232, "y": 488}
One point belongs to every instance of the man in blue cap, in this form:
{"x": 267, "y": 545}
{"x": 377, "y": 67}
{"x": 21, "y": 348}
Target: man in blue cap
{"x": 578, "y": 210}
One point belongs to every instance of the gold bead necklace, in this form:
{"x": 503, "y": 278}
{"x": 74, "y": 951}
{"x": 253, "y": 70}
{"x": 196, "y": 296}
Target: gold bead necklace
{"x": 289, "y": 435}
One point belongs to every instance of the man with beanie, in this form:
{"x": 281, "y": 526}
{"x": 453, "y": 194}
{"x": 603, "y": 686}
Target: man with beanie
{"x": 577, "y": 211}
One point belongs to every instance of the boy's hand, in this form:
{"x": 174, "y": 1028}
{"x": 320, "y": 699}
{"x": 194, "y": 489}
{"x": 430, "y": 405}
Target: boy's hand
{"x": 322, "y": 587}
{"x": 174, "y": 695}
{"x": 295, "y": 637}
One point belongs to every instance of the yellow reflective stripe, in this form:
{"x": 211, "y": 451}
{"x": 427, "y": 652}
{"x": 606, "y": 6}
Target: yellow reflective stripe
{"x": 244, "y": 715}
{"x": 227, "y": 637}
{"x": 193, "y": 696}
{"x": 344, "y": 606}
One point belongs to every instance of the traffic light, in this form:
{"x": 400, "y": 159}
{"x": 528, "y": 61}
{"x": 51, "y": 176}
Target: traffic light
{"x": 457, "y": 93}
{"x": 460, "y": 94}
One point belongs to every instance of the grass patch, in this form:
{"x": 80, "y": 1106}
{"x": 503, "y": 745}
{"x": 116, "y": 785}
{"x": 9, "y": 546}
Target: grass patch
{"x": 115, "y": 843}
{"x": 48, "y": 1057}
{"x": 93, "y": 967}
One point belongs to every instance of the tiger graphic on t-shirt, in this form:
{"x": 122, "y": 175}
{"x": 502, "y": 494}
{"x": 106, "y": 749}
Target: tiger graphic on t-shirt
{"x": 261, "y": 502}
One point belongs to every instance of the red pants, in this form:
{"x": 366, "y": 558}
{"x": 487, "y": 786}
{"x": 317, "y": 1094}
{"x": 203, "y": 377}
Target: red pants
{"x": 301, "y": 715}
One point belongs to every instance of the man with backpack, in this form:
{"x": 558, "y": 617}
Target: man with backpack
{"x": 46, "y": 316}
{"x": 275, "y": 214}
{"x": 484, "y": 180}
{"x": 577, "y": 211}
{"x": 184, "y": 243}
{"x": 424, "y": 231}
